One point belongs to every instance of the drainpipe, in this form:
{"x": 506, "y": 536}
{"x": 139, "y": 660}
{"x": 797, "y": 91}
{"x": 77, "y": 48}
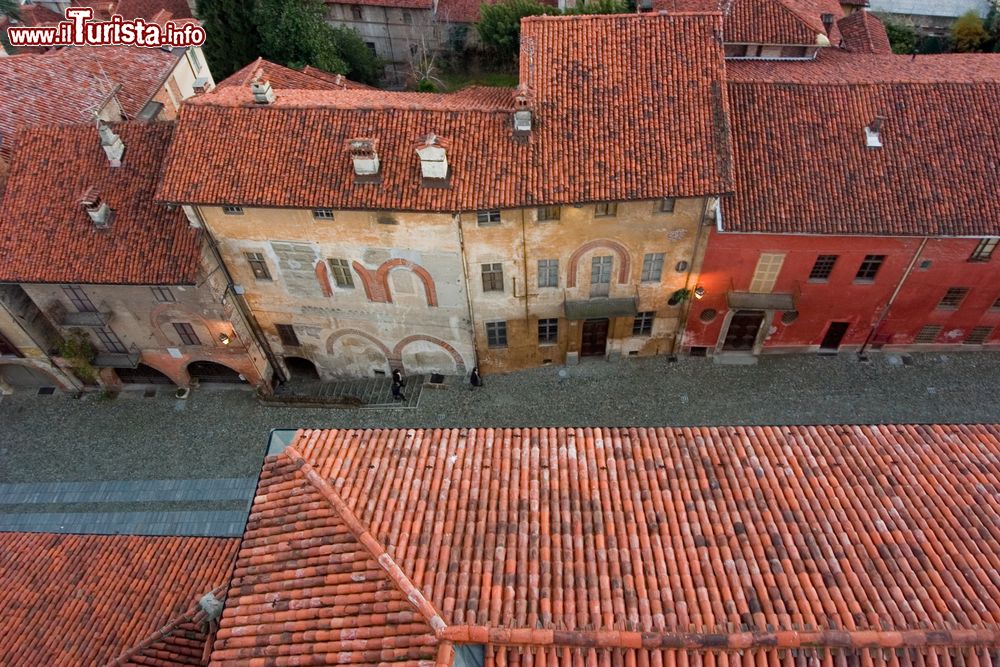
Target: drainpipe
{"x": 241, "y": 305}
{"x": 686, "y": 312}
{"x": 892, "y": 299}
{"x": 524, "y": 255}
{"x": 468, "y": 289}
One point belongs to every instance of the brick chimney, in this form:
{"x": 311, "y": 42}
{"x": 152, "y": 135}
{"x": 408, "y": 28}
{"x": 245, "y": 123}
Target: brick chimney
{"x": 522, "y": 113}
{"x": 873, "y": 133}
{"x": 97, "y": 209}
{"x": 261, "y": 88}
{"x": 364, "y": 156}
{"x": 111, "y": 143}
{"x": 433, "y": 159}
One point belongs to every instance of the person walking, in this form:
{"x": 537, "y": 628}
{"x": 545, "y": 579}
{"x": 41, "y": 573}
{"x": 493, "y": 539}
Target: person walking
{"x": 397, "y": 385}
{"x": 476, "y": 380}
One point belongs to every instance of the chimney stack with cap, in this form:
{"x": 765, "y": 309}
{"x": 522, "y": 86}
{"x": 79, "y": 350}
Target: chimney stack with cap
{"x": 261, "y": 88}
{"x": 433, "y": 159}
{"x": 522, "y": 113}
{"x": 827, "y": 20}
{"x": 873, "y": 133}
{"x": 97, "y": 209}
{"x": 364, "y": 156}
{"x": 112, "y": 144}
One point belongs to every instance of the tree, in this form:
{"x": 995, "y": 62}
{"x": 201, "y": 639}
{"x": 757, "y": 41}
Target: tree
{"x": 600, "y": 7}
{"x": 499, "y": 24}
{"x": 231, "y": 37}
{"x": 969, "y": 35}
{"x": 10, "y": 9}
{"x": 902, "y": 37}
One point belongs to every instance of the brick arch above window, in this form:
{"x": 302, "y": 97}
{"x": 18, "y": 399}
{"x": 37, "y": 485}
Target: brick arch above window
{"x": 376, "y": 281}
{"x": 624, "y": 261}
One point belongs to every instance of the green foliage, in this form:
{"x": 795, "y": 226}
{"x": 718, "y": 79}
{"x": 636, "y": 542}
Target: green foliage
{"x": 969, "y": 34}
{"x": 10, "y": 8}
{"x": 902, "y": 37}
{"x": 425, "y": 86}
{"x": 600, "y": 7}
{"x": 79, "y": 352}
{"x": 362, "y": 64}
{"x": 231, "y": 39}
{"x": 499, "y": 25}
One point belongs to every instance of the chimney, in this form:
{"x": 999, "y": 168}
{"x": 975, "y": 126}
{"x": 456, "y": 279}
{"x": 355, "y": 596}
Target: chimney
{"x": 827, "y": 20}
{"x": 433, "y": 159}
{"x": 261, "y": 88}
{"x": 522, "y": 113}
{"x": 97, "y": 209}
{"x": 364, "y": 156}
{"x": 111, "y": 143}
{"x": 202, "y": 85}
{"x": 873, "y": 133}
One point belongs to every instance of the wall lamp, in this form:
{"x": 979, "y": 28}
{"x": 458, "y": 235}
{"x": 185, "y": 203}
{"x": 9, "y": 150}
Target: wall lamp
{"x": 224, "y": 338}
{"x": 699, "y": 292}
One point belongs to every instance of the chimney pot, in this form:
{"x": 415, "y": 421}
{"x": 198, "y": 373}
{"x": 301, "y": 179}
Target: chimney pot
{"x": 97, "y": 209}
{"x": 827, "y": 20}
{"x": 522, "y": 112}
{"x": 261, "y": 88}
{"x": 433, "y": 159}
{"x": 112, "y": 144}
{"x": 364, "y": 156}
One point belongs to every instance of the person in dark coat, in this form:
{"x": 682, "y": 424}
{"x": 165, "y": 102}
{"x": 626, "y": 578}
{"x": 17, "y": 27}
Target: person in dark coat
{"x": 397, "y": 390}
{"x": 476, "y": 380}
{"x": 397, "y": 376}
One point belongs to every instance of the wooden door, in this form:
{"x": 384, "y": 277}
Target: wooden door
{"x": 742, "y": 332}
{"x": 834, "y": 335}
{"x": 595, "y": 338}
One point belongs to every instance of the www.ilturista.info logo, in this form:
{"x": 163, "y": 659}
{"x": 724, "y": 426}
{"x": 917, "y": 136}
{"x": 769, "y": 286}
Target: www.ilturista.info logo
{"x": 79, "y": 30}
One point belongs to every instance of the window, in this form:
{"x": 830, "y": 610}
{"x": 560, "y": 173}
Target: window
{"x": 548, "y": 331}
{"x": 496, "y": 334}
{"x": 358, "y": 16}
{"x": 286, "y": 332}
{"x": 667, "y": 205}
{"x": 978, "y": 336}
{"x": 195, "y": 60}
{"x": 868, "y": 269}
{"x": 342, "y": 273}
{"x": 643, "y": 323}
{"x": 822, "y": 268}
{"x": 600, "y": 275}
{"x": 492, "y": 277}
{"x": 766, "y": 273}
{"x": 232, "y": 210}
{"x": 322, "y": 214}
{"x": 794, "y": 51}
{"x": 984, "y": 250}
{"x": 407, "y": 18}
{"x": 488, "y": 218}
{"x": 928, "y": 334}
{"x": 258, "y": 265}
{"x": 548, "y": 273}
{"x": 652, "y": 267}
{"x": 735, "y": 50}
{"x": 370, "y": 45}
{"x": 79, "y": 299}
{"x": 163, "y": 294}
{"x": 110, "y": 341}
{"x": 606, "y": 210}
{"x": 187, "y": 334}
{"x": 953, "y": 298}
{"x": 547, "y": 213}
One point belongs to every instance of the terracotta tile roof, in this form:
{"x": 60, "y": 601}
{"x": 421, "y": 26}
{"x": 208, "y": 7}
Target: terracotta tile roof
{"x": 467, "y": 11}
{"x": 838, "y": 545}
{"x": 779, "y": 21}
{"x": 625, "y": 107}
{"x": 64, "y": 86}
{"x": 147, "y": 9}
{"x": 802, "y": 165}
{"x": 86, "y": 599}
{"x": 402, "y": 4}
{"x": 46, "y": 236}
{"x": 863, "y": 32}
{"x": 309, "y": 78}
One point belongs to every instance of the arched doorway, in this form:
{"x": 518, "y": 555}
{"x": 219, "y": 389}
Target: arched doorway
{"x": 209, "y": 371}
{"x": 25, "y": 377}
{"x": 300, "y": 368}
{"x": 142, "y": 374}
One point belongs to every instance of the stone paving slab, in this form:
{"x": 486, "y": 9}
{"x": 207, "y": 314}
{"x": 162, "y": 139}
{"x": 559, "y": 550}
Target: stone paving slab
{"x": 160, "y": 490}
{"x": 370, "y": 393}
{"x": 206, "y": 523}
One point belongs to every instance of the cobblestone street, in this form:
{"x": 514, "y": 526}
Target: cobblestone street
{"x": 220, "y": 433}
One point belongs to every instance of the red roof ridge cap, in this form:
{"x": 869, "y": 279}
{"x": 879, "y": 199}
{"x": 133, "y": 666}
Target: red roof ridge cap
{"x": 368, "y": 541}
{"x": 597, "y": 17}
{"x": 789, "y": 639}
{"x": 194, "y": 614}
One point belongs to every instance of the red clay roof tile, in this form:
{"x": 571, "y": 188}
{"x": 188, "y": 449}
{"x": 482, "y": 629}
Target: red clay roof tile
{"x": 797, "y": 22}
{"x": 863, "y": 32}
{"x": 309, "y": 78}
{"x": 46, "y": 236}
{"x": 625, "y": 107}
{"x": 86, "y": 599}
{"x": 687, "y": 546}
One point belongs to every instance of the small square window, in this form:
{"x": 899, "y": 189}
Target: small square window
{"x": 341, "y": 270}
{"x": 928, "y": 334}
{"x": 608, "y": 209}
{"x": 869, "y": 268}
{"x": 652, "y": 267}
{"x": 286, "y": 332}
{"x": 258, "y": 265}
{"x": 371, "y": 46}
{"x": 953, "y": 298}
{"x": 643, "y": 323}
{"x": 978, "y": 336}
{"x": 186, "y": 333}
{"x": 548, "y": 213}
{"x": 984, "y": 250}
{"x": 357, "y": 15}
{"x": 163, "y": 294}
{"x": 548, "y": 273}
{"x": 496, "y": 334}
{"x": 548, "y": 331}
{"x": 492, "y": 277}
{"x": 822, "y": 268}
{"x": 407, "y": 18}
{"x": 667, "y": 205}
{"x": 232, "y": 210}
{"x": 322, "y": 214}
{"x": 488, "y": 218}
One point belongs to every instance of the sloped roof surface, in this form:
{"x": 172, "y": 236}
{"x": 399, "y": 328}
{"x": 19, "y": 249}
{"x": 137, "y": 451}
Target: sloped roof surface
{"x": 863, "y": 32}
{"x": 86, "y": 599}
{"x": 309, "y": 78}
{"x": 626, "y": 107}
{"x": 686, "y": 546}
{"x": 802, "y": 164}
{"x": 47, "y": 236}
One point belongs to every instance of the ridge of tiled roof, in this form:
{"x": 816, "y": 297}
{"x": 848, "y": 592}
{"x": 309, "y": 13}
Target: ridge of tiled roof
{"x": 339, "y": 80}
{"x": 863, "y": 32}
{"x": 650, "y": 88}
{"x": 779, "y": 21}
{"x": 667, "y": 546}
{"x": 68, "y": 600}
{"x": 284, "y": 77}
{"x": 401, "y": 4}
{"x": 47, "y": 237}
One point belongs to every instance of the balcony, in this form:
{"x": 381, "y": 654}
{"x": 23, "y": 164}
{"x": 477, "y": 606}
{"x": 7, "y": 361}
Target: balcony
{"x": 600, "y": 307}
{"x": 128, "y": 359}
{"x": 784, "y": 301}
{"x": 94, "y": 319}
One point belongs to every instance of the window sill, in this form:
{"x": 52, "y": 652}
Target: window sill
{"x": 860, "y": 281}
{"x": 819, "y": 281}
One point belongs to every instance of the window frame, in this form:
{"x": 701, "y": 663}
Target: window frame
{"x": 865, "y": 267}
{"x": 232, "y": 209}
{"x": 606, "y": 209}
{"x": 548, "y": 331}
{"x": 187, "y": 334}
{"x": 492, "y": 276}
{"x": 667, "y": 205}
{"x": 983, "y": 251}
{"x": 954, "y": 296}
{"x": 111, "y": 342}
{"x": 340, "y": 271}
{"x": 823, "y": 264}
{"x": 544, "y": 213}
{"x": 286, "y": 334}
{"x": 642, "y": 323}
{"x": 551, "y": 267}
{"x": 325, "y": 214}
{"x": 496, "y": 334}
{"x": 485, "y": 218}
{"x": 162, "y": 294}
{"x": 258, "y": 265}
{"x": 935, "y": 328}
{"x": 80, "y": 299}
{"x": 651, "y": 261}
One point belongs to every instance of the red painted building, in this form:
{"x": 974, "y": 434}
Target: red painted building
{"x": 865, "y": 210}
